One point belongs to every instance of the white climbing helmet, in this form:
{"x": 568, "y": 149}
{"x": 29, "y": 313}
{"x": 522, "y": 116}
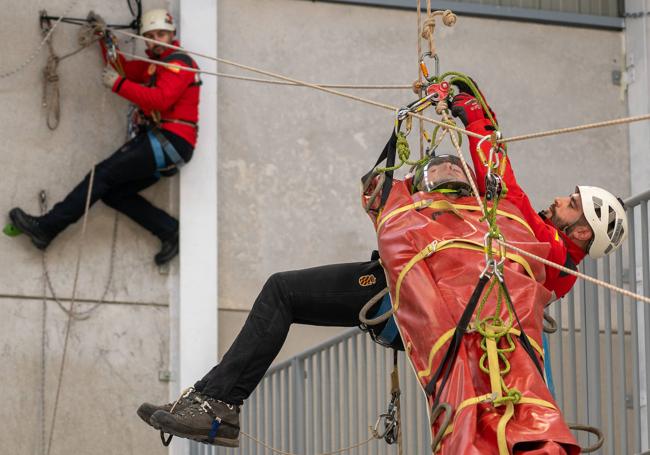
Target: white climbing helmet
{"x": 605, "y": 214}
{"x": 157, "y": 19}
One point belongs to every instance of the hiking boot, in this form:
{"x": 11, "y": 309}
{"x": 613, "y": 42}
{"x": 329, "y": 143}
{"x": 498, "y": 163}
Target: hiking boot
{"x": 30, "y": 226}
{"x": 146, "y": 410}
{"x": 210, "y": 421}
{"x": 168, "y": 250}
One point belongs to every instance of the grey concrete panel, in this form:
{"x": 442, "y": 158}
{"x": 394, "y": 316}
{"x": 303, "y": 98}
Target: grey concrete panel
{"x": 112, "y": 366}
{"x": 291, "y": 157}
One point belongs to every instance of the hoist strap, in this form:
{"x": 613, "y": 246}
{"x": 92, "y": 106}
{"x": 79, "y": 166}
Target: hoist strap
{"x": 449, "y": 333}
{"x": 444, "y": 205}
{"x": 493, "y": 364}
{"x": 388, "y": 153}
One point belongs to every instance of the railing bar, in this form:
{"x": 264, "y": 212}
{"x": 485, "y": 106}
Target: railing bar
{"x": 609, "y": 359}
{"x": 286, "y": 434}
{"x": 336, "y": 423}
{"x": 645, "y": 267}
{"x": 318, "y": 440}
{"x": 559, "y": 384}
{"x": 309, "y": 405}
{"x": 572, "y": 358}
{"x": 622, "y": 352}
{"x": 356, "y": 386}
{"x": 593, "y": 358}
{"x": 583, "y": 361}
{"x": 363, "y": 391}
{"x": 327, "y": 408}
{"x": 636, "y": 386}
{"x": 345, "y": 410}
{"x": 264, "y": 420}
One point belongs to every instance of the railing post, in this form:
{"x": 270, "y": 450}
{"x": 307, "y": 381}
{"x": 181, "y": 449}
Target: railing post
{"x": 298, "y": 405}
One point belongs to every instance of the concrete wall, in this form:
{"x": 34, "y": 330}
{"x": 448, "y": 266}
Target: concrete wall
{"x": 291, "y": 157}
{"x": 114, "y": 357}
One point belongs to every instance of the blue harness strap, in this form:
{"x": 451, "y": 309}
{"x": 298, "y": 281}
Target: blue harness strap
{"x": 389, "y": 333}
{"x": 161, "y": 147}
{"x": 547, "y": 364}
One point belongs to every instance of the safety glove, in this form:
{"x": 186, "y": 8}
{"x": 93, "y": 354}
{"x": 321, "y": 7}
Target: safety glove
{"x": 465, "y": 107}
{"x": 109, "y": 76}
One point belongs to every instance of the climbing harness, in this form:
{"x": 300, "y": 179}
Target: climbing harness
{"x": 163, "y": 148}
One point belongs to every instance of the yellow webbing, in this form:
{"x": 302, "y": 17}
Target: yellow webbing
{"x": 475, "y": 246}
{"x": 501, "y": 428}
{"x": 425, "y": 252}
{"x": 443, "y": 204}
{"x": 493, "y": 364}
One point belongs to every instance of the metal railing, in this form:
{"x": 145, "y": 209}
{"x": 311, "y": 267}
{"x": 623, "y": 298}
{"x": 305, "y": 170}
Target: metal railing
{"x": 326, "y": 398}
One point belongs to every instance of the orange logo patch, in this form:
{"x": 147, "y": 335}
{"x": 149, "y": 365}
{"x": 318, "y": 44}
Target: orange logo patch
{"x": 367, "y": 280}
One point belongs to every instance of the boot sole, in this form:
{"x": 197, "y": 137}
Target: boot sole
{"x": 217, "y": 441}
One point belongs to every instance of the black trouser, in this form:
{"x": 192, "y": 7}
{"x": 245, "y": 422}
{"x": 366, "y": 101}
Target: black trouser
{"x": 117, "y": 182}
{"x": 330, "y": 295}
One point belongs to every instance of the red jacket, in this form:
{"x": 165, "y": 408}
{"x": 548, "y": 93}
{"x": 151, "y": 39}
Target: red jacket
{"x": 175, "y": 93}
{"x": 563, "y": 251}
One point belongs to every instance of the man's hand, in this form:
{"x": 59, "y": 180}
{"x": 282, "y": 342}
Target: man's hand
{"x": 97, "y": 23}
{"x": 467, "y": 109}
{"x": 109, "y": 76}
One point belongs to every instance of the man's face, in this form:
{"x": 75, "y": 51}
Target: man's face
{"x": 163, "y": 36}
{"x": 445, "y": 172}
{"x": 565, "y": 211}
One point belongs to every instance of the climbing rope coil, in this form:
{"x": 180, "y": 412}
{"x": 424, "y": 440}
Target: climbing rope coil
{"x": 496, "y": 332}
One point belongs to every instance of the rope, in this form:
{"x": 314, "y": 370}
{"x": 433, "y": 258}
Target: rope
{"x": 588, "y": 126}
{"x": 593, "y": 280}
{"x": 276, "y": 76}
{"x": 71, "y": 309}
{"x": 375, "y": 103}
{"x": 38, "y": 49}
{"x": 282, "y": 452}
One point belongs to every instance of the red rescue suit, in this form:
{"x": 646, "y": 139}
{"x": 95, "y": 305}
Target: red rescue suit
{"x": 431, "y": 247}
{"x": 174, "y": 94}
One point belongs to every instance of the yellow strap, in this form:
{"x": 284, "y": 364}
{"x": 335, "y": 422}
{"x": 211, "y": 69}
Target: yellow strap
{"x": 415, "y": 206}
{"x": 475, "y": 246}
{"x": 434, "y": 350}
{"x": 443, "y": 204}
{"x": 537, "y": 401}
{"x": 476, "y": 208}
{"x": 493, "y": 364}
{"x": 425, "y": 252}
{"x": 501, "y": 428}
{"x": 517, "y": 332}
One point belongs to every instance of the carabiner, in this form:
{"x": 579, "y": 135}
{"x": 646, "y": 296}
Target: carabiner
{"x": 425, "y": 69}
